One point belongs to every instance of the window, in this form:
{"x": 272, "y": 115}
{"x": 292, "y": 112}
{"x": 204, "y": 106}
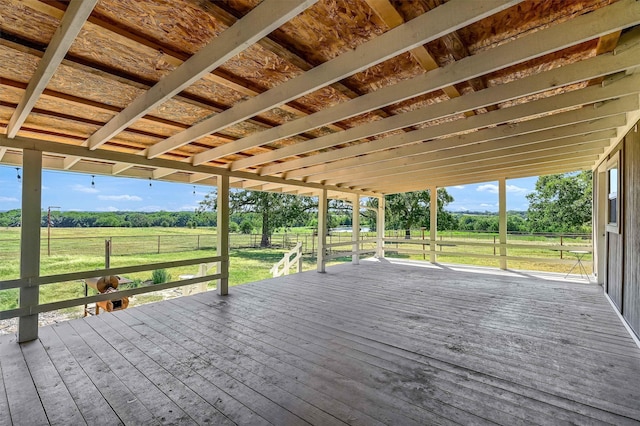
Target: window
{"x": 613, "y": 184}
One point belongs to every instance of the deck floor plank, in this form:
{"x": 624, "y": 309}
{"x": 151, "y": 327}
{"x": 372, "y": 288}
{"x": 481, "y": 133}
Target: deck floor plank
{"x": 91, "y": 403}
{"x": 215, "y": 396}
{"x": 147, "y": 391}
{"x": 379, "y": 404}
{"x": 197, "y": 356}
{"x": 59, "y": 405}
{"x": 385, "y": 342}
{"x": 449, "y": 381}
{"x": 178, "y": 316}
{"x": 22, "y": 396}
{"x": 372, "y": 371}
{"x": 179, "y": 392}
{"x": 124, "y": 402}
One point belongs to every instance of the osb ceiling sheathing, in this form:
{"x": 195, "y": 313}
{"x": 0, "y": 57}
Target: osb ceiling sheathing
{"x": 125, "y": 48}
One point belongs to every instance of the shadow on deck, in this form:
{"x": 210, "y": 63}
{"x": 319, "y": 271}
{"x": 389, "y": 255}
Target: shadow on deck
{"x": 380, "y": 343}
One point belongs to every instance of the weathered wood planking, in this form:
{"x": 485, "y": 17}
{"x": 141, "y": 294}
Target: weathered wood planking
{"x": 631, "y": 294}
{"x": 379, "y": 343}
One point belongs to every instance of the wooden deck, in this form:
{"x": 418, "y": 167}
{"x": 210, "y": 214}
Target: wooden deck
{"x": 378, "y": 343}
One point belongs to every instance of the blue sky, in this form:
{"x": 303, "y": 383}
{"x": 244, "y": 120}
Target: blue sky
{"x": 73, "y": 192}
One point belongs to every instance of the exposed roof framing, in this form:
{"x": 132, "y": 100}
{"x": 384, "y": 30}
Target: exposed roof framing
{"x": 359, "y": 96}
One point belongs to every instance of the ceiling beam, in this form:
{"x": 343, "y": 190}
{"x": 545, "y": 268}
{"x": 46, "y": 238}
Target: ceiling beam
{"x": 262, "y": 20}
{"x": 74, "y": 18}
{"x": 429, "y": 26}
{"x": 582, "y": 28}
{"x": 392, "y": 18}
{"x": 3, "y": 151}
{"x": 120, "y": 167}
{"x": 614, "y": 107}
{"x": 123, "y": 157}
{"x": 70, "y": 161}
{"x": 498, "y": 156}
{"x": 552, "y": 168}
{"x": 480, "y": 170}
{"x": 374, "y": 151}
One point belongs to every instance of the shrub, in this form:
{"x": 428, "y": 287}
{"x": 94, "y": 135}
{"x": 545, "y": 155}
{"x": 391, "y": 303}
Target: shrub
{"x": 246, "y": 227}
{"x": 160, "y": 276}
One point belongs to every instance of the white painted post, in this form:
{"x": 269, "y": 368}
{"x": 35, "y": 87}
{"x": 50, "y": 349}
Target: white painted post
{"x": 380, "y": 228}
{"x": 355, "y": 230}
{"x": 322, "y": 229}
{"x": 433, "y": 224}
{"x": 502, "y": 224}
{"x": 223, "y": 234}
{"x": 30, "y": 240}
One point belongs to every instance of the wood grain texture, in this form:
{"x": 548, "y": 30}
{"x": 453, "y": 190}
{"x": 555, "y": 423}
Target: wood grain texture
{"x": 379, "y": 343}
{"x": 631, "y": 294}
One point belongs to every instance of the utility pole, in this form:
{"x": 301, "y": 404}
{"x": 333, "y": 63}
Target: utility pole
{"x": 49, "y": 228}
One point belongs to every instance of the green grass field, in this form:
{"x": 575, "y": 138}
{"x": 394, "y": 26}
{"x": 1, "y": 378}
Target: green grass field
{"x": 82, "y": 249}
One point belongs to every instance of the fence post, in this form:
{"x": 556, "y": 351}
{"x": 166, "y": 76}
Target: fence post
{"x": 560, "y": 246}
{"x": 158, "y": 244}
{"x": 198, "y": 246}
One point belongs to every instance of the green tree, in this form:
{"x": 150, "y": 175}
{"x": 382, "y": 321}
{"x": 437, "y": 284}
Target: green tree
{"x": 561, "y": 203}
{"x": 274, "y": 209}
{"x": 412, "y": 209}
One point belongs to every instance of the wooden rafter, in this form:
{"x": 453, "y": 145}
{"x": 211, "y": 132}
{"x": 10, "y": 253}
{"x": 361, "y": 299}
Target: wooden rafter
{"x": 573, "y": 32}
{"x": 71, "y": 24}
{"x": 265, "y": 18}
{"x": 386, "y": 46}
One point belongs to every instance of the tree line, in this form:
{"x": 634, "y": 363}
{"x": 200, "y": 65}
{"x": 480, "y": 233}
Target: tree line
{"x": 559, "y": 203}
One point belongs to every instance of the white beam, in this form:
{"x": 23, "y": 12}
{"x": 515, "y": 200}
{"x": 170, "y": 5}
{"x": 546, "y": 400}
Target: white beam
{"x": 502, "y": 221}
{"x": 120, "y": 167}
{"x": 161, "y": 172}
{"x": 74, "y": 18}
{"x": 427, "y": 27}
{"x": 521, "y": 168}
{"x": 355, "y": 229}
{"x": 380, "y": 228}
{"x": 3, "y": 151}
{"x": 491, "y": 148}
{"x": 433, "y": 222}
{"x": 402, "y": 155}
{"x": 70, "y": 161}
{"x": 575, "y": 31}
{"x": 223, "y": 234}
{"x": 30, "y": 240}
{"x": 262, "y": 20}
{"x": 322, "y": 230}
{"x": 449, "y": 166}
{"x": 197, "y": 177}
{"x": 620, "y": 88}
{"x": 123, "y": 157}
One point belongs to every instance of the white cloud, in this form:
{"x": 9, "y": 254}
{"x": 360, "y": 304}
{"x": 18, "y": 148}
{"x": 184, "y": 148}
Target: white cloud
{"x": 488, "y": 187}
{"x": 487, "y": 205}
{"x": 151, "y": 209}
{"x": 517, "y": 189}
{"x": 108, "y": 209}
{"x": 187, "y": 208}
{"x": 459, "y": 187}
{"x": 119, "y": 198}
{"x": 493, "y": 189}
{"x": 85, "y": 189}
{"x": 8, "y": 200}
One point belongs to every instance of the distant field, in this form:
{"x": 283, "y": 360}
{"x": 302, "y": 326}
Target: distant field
{"x": 80, "y": 249}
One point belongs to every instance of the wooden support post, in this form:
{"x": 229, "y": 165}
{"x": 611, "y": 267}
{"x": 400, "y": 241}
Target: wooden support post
{"x": 322, "y": 229}
{"x": 502, "y": 224}
{"x": 380, "y": 228}
{"x": 355, "y": 230}
{"x": 433, "y": 224}
{"x": 223, "y": 234}
{"x": 30, "y": 240}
